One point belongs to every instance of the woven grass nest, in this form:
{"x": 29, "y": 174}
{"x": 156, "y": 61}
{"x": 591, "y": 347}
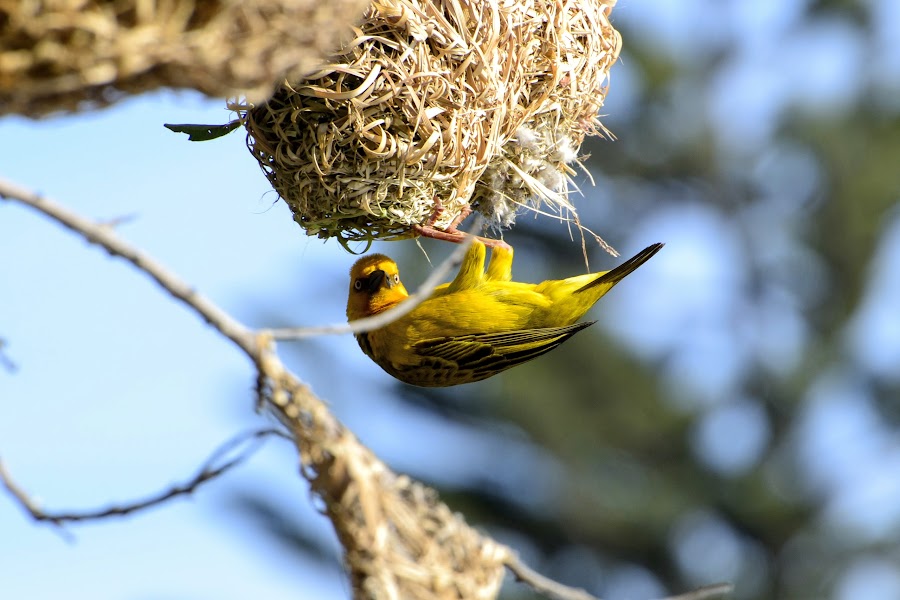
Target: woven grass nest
{"x": 434, "y": 107}
{"x": 70, "y": 55}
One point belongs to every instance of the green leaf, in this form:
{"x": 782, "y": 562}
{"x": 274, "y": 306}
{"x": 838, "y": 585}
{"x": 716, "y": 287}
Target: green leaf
{"x": 202, "y": 133}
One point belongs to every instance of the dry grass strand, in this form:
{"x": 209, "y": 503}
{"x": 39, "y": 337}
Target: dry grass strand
{"x": 69, "y": 55}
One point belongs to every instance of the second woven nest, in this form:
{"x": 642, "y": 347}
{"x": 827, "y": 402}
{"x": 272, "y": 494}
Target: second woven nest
{"x": 433, "y": 107}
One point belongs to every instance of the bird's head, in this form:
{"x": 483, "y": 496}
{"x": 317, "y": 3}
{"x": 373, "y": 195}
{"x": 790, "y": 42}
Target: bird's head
{"x": 374, "y": 286}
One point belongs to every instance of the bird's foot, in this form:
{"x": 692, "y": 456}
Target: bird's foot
{"x": 451, "y": 233}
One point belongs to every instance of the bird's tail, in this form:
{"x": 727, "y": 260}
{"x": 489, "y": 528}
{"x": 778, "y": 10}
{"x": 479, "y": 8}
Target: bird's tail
{"x": 616, "y": 275}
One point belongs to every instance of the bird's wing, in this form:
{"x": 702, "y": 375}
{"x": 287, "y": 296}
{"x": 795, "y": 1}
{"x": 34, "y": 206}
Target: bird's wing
{"x": 473, "y": 357}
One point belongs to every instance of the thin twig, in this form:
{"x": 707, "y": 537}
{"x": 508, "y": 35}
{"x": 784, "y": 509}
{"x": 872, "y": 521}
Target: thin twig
{"x": 544, "y": 585}
{"x": 436, "y": 277}
{"x": 707, "y": 592}
{"x": 115, "y": 222}
{"x": 557, "y": 591}
{"x": 207, "y": 473}
{"x": 103, "y": 235}
{"x": 5, "y": 361}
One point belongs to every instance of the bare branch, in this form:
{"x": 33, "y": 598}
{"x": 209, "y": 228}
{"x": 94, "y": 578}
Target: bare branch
{"x": 207, "y": 473}
{"x": 707, "y": 592}
{"x": 392, "y": 314}
{"x": 557, "y": 591}
{"x": 544, "y": 585}
{"x": 117, "y": 221}
{"x": 5, "y": 361}
{"x": 102, "y": 234}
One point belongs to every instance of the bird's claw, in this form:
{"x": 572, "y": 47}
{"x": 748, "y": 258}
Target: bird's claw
{"x": 451, "y": 233}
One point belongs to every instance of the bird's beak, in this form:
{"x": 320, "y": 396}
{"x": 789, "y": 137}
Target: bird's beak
{"x": 373, "y": 283}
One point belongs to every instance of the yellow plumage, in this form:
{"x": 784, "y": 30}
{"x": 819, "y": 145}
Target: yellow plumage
{"x": 479, "y": 324}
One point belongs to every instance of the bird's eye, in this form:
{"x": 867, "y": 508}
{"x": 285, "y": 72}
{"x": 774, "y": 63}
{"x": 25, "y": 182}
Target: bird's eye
{"x": 357, "y": 285}
{"x": 397, "y": 278}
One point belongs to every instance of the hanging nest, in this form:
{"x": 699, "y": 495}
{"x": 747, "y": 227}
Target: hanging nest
{"x": 401, "y": 541}
{"x": 435, "y": 107}
{"x": 68, "y": 55}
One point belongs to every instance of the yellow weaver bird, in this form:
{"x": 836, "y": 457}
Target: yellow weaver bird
{"x": 479, "y": 324}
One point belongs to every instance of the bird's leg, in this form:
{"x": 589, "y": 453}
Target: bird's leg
{"x": 500, "y": 267}
{"x": 463, "y": 214}
{"x": 451, "y": 233}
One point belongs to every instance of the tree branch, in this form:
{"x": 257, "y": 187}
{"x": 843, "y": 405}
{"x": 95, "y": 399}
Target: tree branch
{"x": 103, "y": 235}
{"x": 557, "y": 591}
{"x": 436, "y": 277}
{"x": 544, "y": 585}
{"x": 5, "y": 360}
{"x": 207, "y": 473}
{"x": 707, "y": 592}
